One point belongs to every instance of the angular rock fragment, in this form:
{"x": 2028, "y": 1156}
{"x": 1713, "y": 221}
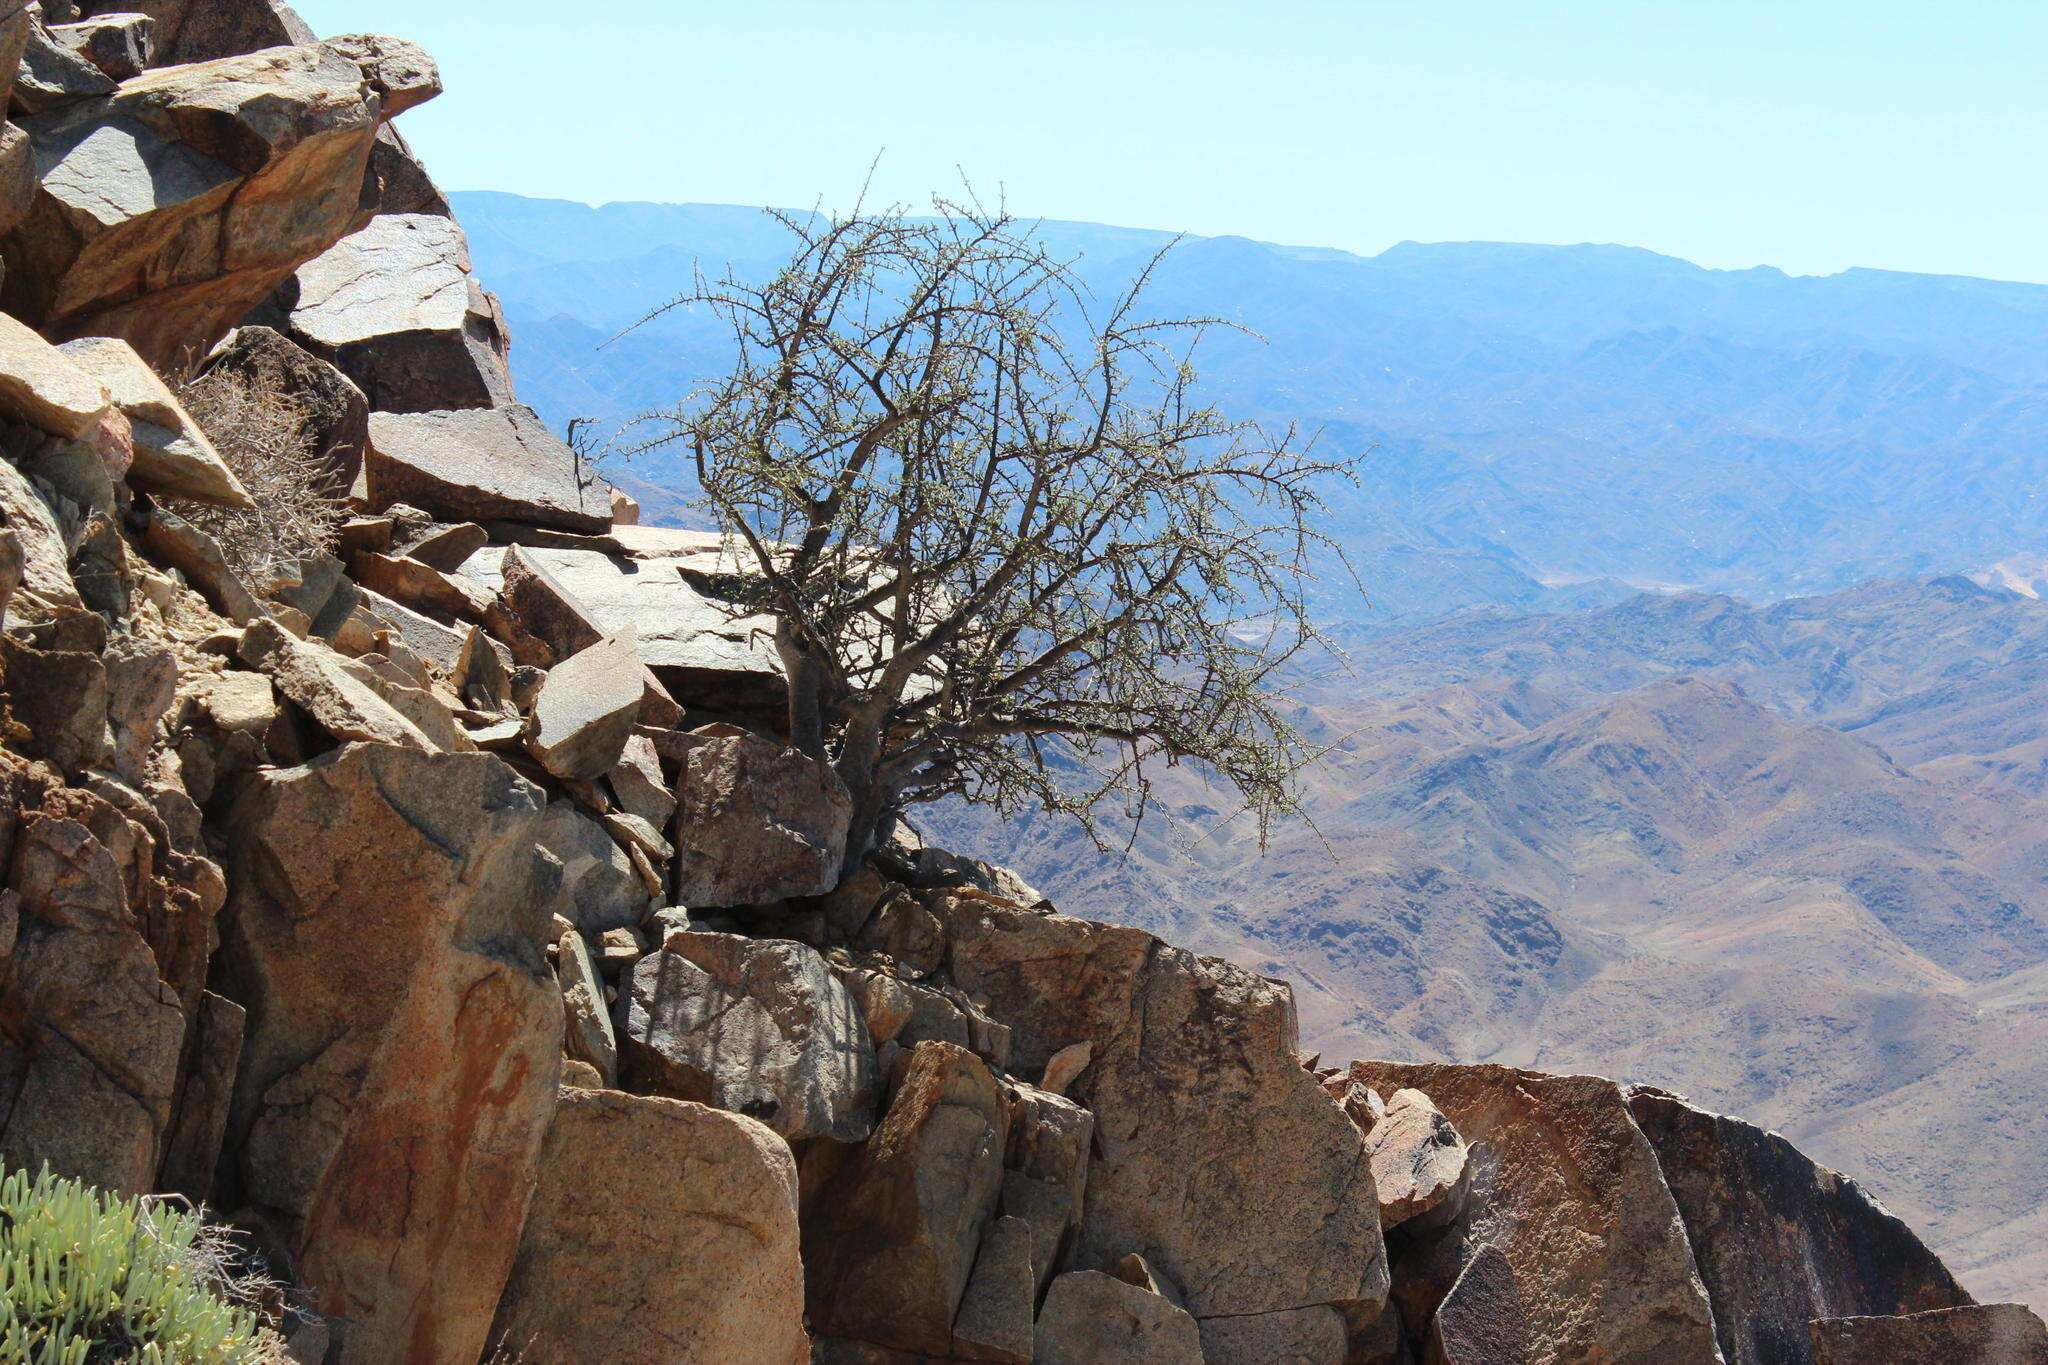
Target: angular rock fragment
{"x": 692, "y": 1258}
{"x": 404, "y": 1034}
{"x": 1418, "y": 1163}
{"x": 192, "y": 1148}
{"x": 313, "y": 677}
{"x": 755, "y": 823}
{"x": 53, "y": 75}
{"x": 586, "y": 1018}
{"x": 1045, "y": 1172}
{"x": 890, "y": 1250}
{"x": 1977, "y": 1334}
{"x": 118, "y": 44}
{"x": 204, "y": 30}
{"x": 1753, "y": 1204}
{"x": 401, "y": 73}
{"x": 637, "y": 784}
{"x": 394, "y": 306}
{"x": 425, "y": 589}
{"x": 598, "y": 889}
{"x": 586, "y": 709}
{"x": 446, "y": 547}
{"x": 180, "y": 545}
{"x": 1089, "y": 1317}
{"x": 760, "y": 1027}
{"x": 477, "y": 464}
{"x": 1483, "y": 1320}
{"x": 172, "y": 455}
{"x": 397, "y": 183}
{"x": 44, "y": 387}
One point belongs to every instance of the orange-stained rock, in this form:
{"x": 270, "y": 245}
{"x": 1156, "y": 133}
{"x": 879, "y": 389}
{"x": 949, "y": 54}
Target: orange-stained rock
{"x": 1569, "y": 1193}
{"x": 661, "y": 1231}
{"x": 404, "y": 1034}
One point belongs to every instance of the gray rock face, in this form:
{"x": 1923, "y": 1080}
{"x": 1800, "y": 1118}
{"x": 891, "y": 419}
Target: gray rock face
{"x": 660, "y": 1231}
{"x": 1298, "y": 1336}
{"x": 44, "y": 387}
{"x": 995, "y": 1314}
{"x": 1418, "y": 1163}
{"x": 1753, "y": 1205}
{"x": 585, "y": 710}
{"x": 1482, "y": 1321}
{"x": 404, "y": 1034}
{"x": 892, "y": 1244}
{"x": 1089, "y": 1317}
{"x": 1980, "y": 1334}
{"x": 202, "y": 30}
{"x": 1045, "y": 1173}
{"x": 761, "y": 1027}
{"x": 587, "y": 1021}
{"x": 395, "y": 307}
{"x": 756, "y": 823}
{"x": 120, "y": 45}
{"x": 483, "y": 464}
{"x": 1191, "y": 1056}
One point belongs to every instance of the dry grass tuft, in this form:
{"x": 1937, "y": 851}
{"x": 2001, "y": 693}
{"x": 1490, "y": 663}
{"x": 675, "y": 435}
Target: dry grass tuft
{"x": 263, "y": 437}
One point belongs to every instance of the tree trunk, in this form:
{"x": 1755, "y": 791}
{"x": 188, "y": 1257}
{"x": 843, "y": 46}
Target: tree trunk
{"x": 806, "y": 702}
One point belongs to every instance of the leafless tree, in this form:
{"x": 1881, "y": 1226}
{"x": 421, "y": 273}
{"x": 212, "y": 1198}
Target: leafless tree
{"x": 1009, "y": 553}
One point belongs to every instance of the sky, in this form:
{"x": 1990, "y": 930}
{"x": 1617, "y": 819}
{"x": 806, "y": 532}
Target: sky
{"x": 1812, "y": 135}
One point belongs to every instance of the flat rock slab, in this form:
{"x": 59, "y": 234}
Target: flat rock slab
{"x": 1980, "y": 1334}
{"x": 1753, "y": 1204}
{"x": 45, "y": 388}
{"x": 758, "y": 1026}
{"x": 312, "y": 676}
{"x": 172, "y": 454}
{"x": 484, "y": 464}
{"x": 585, "y": 710}
{"x": 660, "y": 1231}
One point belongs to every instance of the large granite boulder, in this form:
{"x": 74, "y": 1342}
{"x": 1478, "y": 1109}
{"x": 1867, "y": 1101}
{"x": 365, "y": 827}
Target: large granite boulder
{"x": 1979, "y": 1334}
{"x": 891, "y": 1246}
{"x": 395, "y": 307}
{"x": 660, "y": 1231}
{"x": 1191, "y": 1057}
{"x": 167, "y": 209}
{"x": 756, "y": 822}
{"x": 1754, "y": 1205}
{"x": 484, "y": 464}
{"x": 404, "y": 1034}
{"x": 1419, "y": 1163}
{"x": 758, "y": 1026}
{"x": 1570, "y": 1193}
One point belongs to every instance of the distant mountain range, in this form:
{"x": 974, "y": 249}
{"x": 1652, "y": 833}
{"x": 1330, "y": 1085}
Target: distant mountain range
{"x": 1536, "y": 426}
{"x": 1788, "y": 859}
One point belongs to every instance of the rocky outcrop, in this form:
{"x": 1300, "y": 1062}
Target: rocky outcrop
{"x": 1753, "y": 1205}
{"x": 660, "y": 1231}
{"x": 1980, "y": 1334}
{"x": 404, "y": 1034}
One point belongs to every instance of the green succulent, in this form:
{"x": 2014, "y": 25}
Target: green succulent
{"x": 89, "y": 1277}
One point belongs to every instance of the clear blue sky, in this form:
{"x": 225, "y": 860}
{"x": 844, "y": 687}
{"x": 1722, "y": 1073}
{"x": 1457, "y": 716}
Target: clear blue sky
{"x": 1807, "y": 134}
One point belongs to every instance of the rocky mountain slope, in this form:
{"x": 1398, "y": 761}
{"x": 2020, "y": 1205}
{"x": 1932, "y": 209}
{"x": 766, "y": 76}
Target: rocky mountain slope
{"x": 443, "y": 907}
{"x": 1754, "y": 432}
{"x": 1788, "y": 859}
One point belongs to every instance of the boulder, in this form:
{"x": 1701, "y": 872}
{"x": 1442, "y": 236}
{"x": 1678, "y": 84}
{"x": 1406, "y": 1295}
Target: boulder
{"x": 1753, "y": 1205}
{"x": 1571, "y": 1194}
{"x": 447, "y": 547}
{"x": 170, "y": 208}
{"x": 1089, "y": 1317}
{"x": 1977, "y": 1334}
{"x": 758, "y": 1026}
{"x": 420, "y": 586}
{"x": 401, "y": 73}
{"x": 118, "y": 44}
{"x": 598, "y": 888}
{"x": 891, "y": 1247}
{"x": 314, "y": 678}
{"x": 52, "y": 74}
{"x": 404, "y": 1034}
{"x": 398, "y": 183}
{"x": 1192, "y": 1056}
{"x": 756, "y": 822}
{"x": 479, "y": 464}
{"x": 203, "y": 30}
{"x": 335, "y": 416}
{"x": 660, "y": 1231}
{"x": 394, "y": 306}
{"x": 585, "y": 710}
{"x": 46, "y": 588}
{"x": 637, "y": 783}
{"x": 17, "y": 175}
{"x": 171, "y": 454}
{"x": 995, "y": 1314}
{"x": 586, "y": 1019}
{"x": 1045, "y": 1172}
{"x": 44, "y": 387}
{"x": 1419, "y": 1163}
